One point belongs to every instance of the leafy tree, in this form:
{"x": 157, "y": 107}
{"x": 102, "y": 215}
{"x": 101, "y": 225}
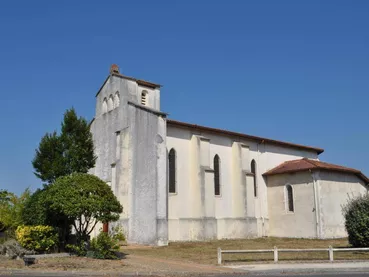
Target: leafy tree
{"x": 36, "y": 209}
{"x": 37, "y": 212}
{"x": 71, "y": 151}
{"x": 4, "y": 198}
{"x": 11, "y": 209}
{"x": 85, "y": 200}
{"x": 4, "y": 195}
{"x": 356, "y": 214}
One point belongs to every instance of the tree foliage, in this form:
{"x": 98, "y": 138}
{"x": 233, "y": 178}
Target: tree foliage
{"x": 49, "y": 161}
{"x": 11, "y": 209}
{"x": 85, "y": 200}
{"x": 356, "y": 214}
{"x": 71, "y": 151}
{"x": 37, "y": 212}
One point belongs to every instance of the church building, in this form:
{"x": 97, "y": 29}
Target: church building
{"x": 181, "y": 182}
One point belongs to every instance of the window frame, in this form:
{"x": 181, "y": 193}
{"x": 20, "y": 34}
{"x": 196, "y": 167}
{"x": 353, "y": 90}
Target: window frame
{"x": 110, "y": 100}
{"x": 217, "y": 175}
{"x": 104, "y": 106}
{"x": 254, "y": 171}
{"x": 144, "y": 94}
{"x": 174, "y": 172}
{"x": 287, "y": 197}
{"x": 116, "y": 102}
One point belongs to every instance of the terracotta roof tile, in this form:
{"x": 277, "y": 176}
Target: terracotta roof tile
{"x": 308, "y": 164}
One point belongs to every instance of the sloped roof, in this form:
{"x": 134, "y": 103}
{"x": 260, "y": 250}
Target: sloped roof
{"x": 308, "y": 164}
{"x": 240, "y": 135}
{"x": 138, "y": 81}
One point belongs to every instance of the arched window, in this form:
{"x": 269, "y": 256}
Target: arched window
{"x": 144, "y": 98}
{"x": 110, "y": 103}
{"x": 253, "y": 171}
{"x": 290, "y": 204}
{"x": 116, "y": 100}
{"x": 172, "y": 170}
{"x": 104, "y": 106}
{"x": 216, "y": 175}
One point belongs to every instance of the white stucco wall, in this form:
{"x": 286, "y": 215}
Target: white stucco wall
{"x": 236, "y": 211}
{"x": 317, "y": 214}
{"x": 335, "y": 190}
{"x": 302, "y": 222}
{"x": 130, "y": 143}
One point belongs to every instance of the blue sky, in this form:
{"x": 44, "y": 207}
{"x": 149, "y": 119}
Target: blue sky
{"x": 289, "y": 70}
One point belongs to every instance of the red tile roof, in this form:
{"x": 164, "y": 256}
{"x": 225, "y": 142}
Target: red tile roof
{"x": 240, "y": 135}
{"x": 308, "y": 164}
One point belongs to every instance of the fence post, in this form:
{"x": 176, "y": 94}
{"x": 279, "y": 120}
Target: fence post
{"x": 330, "y": 253}
{"x": 275, "y": 251}
{"x": 219, "y": 256}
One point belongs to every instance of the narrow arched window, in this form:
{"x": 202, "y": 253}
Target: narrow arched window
{"x": 116, "y": 100}
{"x": 104, "y": 106}
{"x": 172, "y": 170}
{"x": 253, "y": 171}
{"x": 290, "y": 204}
{"x": 144, "y": 98}
{"x": 110, "y": 103}
{"x": 216, "y": 175}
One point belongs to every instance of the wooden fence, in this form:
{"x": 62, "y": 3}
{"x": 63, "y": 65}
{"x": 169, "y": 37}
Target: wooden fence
{"x": 330, "y": 251}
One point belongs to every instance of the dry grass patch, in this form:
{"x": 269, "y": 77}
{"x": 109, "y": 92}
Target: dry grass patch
{"x": 65, "y": 263}
{"x": 206, "y": 252}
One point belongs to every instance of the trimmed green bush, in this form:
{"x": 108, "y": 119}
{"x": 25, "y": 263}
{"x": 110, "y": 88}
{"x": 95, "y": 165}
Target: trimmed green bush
{"x": 38, "y": 238}
{"x": 104, "y": 246}
{"x": 356, "y": 214}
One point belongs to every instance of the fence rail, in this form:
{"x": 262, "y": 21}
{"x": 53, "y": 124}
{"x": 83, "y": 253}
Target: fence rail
{"x": 330, "y": 250}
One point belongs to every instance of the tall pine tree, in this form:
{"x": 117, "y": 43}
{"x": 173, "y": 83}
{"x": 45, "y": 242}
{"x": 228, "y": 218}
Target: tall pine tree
{"x": 71, "y": 151}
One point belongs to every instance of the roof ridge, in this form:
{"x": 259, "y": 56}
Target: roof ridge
{"x": 312, "y": 162}
{"x": 243, "y": 135}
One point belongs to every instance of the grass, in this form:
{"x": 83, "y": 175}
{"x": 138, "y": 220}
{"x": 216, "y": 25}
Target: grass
{"x": 65, "y": 263}
{"x": 206, "y": 252}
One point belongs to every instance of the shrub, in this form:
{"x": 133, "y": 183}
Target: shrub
{"x": 356, "y": 214}
{"x": 38, "y": 238}
{"x": 77, "y": 249}
{"x": 118, "y": 235}
{"x": 104, "y": 246}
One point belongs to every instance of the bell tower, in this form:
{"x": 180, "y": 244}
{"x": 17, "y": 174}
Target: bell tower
{"x": 129, "y": 132}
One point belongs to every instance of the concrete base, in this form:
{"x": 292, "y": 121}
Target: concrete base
{"x": 237, "y": 228}
{"x": 198, "y": 229}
